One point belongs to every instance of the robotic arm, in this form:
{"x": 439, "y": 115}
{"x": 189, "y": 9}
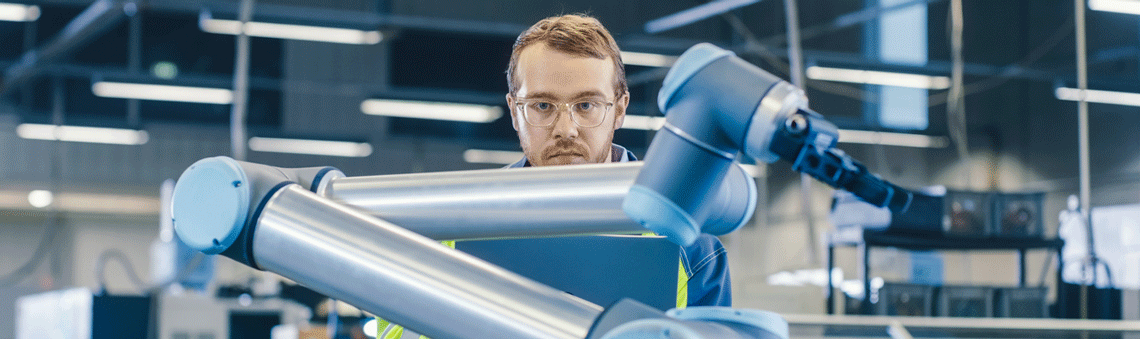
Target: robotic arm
{"x": 339, "y": 236}
{"x": 718, "y": 105}
{"x": 273, "y": 219}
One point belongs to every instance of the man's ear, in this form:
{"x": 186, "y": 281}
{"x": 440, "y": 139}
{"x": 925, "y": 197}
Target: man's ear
{"x": 511, "y": 111}
{"x": 619, "y": 110}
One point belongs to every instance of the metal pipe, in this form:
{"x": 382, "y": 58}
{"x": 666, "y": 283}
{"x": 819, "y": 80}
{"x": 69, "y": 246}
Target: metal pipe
{"x": 1083, "y": 143}
{"x": 796, "y": 70}
{"x": 241, "y": 84}
{"x": 404, "y": 277}
{"x": 525, "y": 202}
{"x": 134, "y": 59}
{"x": 497, "y": 203}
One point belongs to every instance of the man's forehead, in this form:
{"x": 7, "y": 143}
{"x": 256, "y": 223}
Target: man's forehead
{"x": 588, "y": 94}
{"x": 549, "y": 72}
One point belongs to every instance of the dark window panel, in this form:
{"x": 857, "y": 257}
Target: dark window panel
{"x": 52, "y": 19}
{"x": 446, "y": 60}
{"x": 107, "y": 49}
{"x": 175, "y": 37}
{"x": 12, "y": 38}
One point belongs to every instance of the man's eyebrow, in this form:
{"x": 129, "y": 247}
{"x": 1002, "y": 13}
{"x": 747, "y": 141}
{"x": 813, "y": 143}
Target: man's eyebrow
{"x": 542, "y": 95}
{"x": 589, "y": 94}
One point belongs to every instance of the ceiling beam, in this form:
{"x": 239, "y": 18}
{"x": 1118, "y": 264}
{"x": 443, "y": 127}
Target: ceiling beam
{"x": 99, "y": 17}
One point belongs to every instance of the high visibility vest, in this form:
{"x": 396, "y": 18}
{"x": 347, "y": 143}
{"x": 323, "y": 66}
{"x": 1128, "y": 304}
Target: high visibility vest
{"x": 387, "y": 330}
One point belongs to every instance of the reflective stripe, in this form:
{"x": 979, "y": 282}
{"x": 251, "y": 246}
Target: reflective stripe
{"x": 682, "y": 279}
{"x": 682, "y": 285}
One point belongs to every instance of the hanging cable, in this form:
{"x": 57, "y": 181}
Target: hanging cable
{"x": 51, "y": 224}
{"x": 132, "y": 274}
{"x": 47, "y": 243}
{"x": 101, "y": 264}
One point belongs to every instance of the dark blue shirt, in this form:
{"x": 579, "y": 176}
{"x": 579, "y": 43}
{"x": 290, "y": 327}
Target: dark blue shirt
{"x": 705, "y": 261}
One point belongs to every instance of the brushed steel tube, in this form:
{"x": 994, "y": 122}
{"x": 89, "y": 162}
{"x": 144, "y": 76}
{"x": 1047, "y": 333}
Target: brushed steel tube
{"x": 407, "y": 278}
{"x": 497, "y": 203}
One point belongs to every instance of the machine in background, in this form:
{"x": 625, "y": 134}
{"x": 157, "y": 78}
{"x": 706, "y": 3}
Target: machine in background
{"x": 80, "y": 314}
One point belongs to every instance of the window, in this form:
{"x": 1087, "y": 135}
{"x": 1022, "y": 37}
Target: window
{"x": 900, "y": 37}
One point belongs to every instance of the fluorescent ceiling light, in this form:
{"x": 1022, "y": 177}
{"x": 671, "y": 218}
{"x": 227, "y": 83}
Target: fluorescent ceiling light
{"x": 1119, "y": 6}
{"x": 291, "y": 32}
{"x": 892, "y": 139}
{"x": 647, "y": 59}
{"x": 97, "y": 135}
{"x": 643, "y": 122}
{"x": 124, "y": 90}
{"x": 19, "y": 12}
{"x": 79, "y": 202}
{"x": 479, "y": 156}
{"x": 694, "y": 14}
{"x": 878, "y": 78}
{"x": 1097, "y": 96}
{"x": 431, "y": 110}
{"x": 315, "y": 147}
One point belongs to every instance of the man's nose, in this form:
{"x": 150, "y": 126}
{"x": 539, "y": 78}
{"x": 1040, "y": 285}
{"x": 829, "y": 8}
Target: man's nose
{"x": 564, "y": 126}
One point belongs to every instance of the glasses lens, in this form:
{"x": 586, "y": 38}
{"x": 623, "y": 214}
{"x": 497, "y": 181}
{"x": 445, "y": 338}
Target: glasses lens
{"x": 540, "y": 113}
{"x": 589, "y": 113}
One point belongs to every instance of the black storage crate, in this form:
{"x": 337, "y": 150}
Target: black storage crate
{"x": 967, "y": 213}
{"x": 905, "y": 300}
{"x": 966, "y": 301}
{"x": 1022, "y": 302}
{"x": 1018, "y": 215}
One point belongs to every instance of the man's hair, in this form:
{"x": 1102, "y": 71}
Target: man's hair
{"x": 574, "y": 34}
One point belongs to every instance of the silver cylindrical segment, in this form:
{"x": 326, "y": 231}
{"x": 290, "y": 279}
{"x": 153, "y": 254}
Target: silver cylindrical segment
{"x": 523, "y": 202}
{"x": 407, "y": 278}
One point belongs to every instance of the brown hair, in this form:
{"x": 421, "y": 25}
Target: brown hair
{"x": 578, "y": 35}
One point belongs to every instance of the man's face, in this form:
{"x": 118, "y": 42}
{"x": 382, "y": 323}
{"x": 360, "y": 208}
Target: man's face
{"x": 552, "y": 76}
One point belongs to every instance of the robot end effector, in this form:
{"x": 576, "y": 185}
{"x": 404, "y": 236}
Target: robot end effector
{"x": 718, "y": 105}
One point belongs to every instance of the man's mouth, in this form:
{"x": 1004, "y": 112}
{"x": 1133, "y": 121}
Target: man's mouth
{"x": 565, "y": 154}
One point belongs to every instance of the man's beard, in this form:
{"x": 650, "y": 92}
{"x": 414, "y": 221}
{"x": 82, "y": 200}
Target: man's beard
{"x": 564, "y": 147}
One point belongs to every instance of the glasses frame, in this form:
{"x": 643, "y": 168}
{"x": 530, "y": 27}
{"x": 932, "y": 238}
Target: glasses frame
{"x": 562, "y": 106}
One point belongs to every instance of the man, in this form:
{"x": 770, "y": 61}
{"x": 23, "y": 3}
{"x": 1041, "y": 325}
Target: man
{"x": 568, "y": 95}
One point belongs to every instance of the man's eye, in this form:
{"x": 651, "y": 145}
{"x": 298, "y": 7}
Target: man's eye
{"x": 585, "y": 106}
{"x": 543, "y": 106}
